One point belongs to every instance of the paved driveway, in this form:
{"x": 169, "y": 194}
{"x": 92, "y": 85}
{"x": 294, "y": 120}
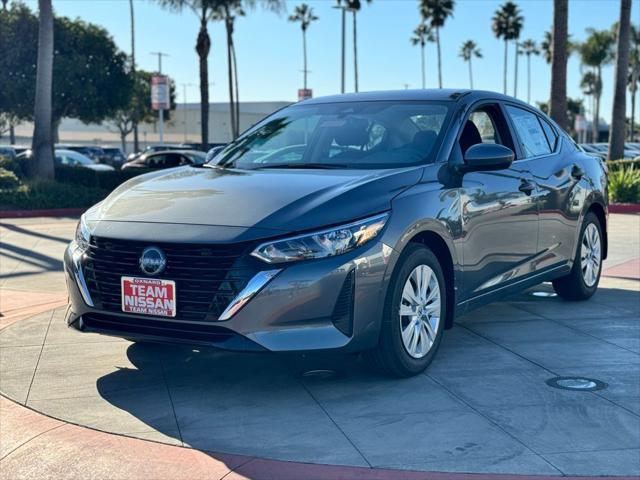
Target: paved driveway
{"x": 483, "y": 405}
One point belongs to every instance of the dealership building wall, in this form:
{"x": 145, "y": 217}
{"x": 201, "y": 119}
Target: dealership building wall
{"x": 183, "y": 126}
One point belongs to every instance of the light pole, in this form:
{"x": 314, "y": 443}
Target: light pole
{"x": 161, "y": 111}
{"x": 184, "y": 106}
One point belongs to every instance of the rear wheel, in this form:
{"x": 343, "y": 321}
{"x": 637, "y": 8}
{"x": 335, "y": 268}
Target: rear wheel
{"x": 414, "y": 314}
{"x": 582, "y": 281}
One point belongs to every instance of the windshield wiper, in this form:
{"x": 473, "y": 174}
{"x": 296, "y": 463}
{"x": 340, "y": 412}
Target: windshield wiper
{"x": 319, "y": 166}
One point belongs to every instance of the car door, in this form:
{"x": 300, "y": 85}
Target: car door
{"x": 498, "y": 210}
{"x": 557, "y": 173}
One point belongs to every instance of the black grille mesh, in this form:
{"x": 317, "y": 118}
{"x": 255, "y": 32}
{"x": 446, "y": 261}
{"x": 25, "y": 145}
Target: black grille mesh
{"x": 207, "y": 277}
{"x": 342, "y": 316}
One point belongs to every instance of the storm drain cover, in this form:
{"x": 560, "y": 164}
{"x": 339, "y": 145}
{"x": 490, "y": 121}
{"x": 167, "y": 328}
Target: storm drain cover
{"x": 543, "y": 294}
{"x": 576, "y": 383}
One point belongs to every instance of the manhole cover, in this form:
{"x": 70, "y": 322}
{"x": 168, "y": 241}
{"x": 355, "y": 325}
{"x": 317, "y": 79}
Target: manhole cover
{"x": 319, "y": 374}
{"x": 542, "y": 294}
{"x": 582, "y": 384}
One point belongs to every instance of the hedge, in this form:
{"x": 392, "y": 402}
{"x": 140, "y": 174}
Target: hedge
{"x": 49, "y": 194}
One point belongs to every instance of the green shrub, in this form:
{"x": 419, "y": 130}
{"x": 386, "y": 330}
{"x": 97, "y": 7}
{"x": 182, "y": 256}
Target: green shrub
{"x": 624, "y": 184}
{"x": 8, "y": 179}
{"x": 49, "y": 194}
{"x": 12, "y": 165}
{"x": 91, "y": 178}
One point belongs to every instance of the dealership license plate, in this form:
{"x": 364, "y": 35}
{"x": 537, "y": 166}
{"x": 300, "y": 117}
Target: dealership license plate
{"x": 148, "y": 296}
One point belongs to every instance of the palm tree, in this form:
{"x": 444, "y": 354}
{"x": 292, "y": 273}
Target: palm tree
{"x": 618, "y": 116}
{"x": 596, "y": 51}
{"x": 204, "y": 9}
{"x": 435, "y": 13}
{"x": 468, "y": 50}
{"x": 506, "y": 24}
{"x": 421, "y": 35}
{"x": 42, "y": 145}
{"x": 227, "y": 11}
{"x": 634, "y": 75}
{"x": 304, "y": 14}
{"x": 545, "y": 47}
{"x": 354, "y": 7}
{"x": 529, "y": 48}
{"x": 559, "y": 55}
{"x": 134, "y": 120}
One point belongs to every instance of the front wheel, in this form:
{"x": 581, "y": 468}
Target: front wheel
{"x": 582, "y": 281}
{"x": 414, "y": 313}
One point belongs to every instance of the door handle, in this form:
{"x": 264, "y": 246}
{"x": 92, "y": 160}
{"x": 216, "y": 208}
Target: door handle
{"x": 577, "y": 172}
{"x": 526, "y": 186}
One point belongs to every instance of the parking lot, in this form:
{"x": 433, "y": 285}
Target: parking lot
{"x": 483, "y": 406}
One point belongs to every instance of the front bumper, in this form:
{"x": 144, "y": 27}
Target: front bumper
{"x": 293, "y": 311}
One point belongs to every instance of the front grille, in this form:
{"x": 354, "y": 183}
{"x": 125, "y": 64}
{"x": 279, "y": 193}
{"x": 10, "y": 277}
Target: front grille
{"x": 207, "y": 277}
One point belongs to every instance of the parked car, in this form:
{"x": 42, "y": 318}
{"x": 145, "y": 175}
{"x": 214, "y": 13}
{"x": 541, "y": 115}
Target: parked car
{"x": 591, "y": 150}
{"x": 632, "y": 146}
{"x": 20, "y": 148}
{"x": 356, "y": 223}
{"x": 94, "y": 153}
{"x": 8, "y": 152}
{"x": 166, "y": 159}
{"x": 71, "y": 158}
{"x": 198, "y": 146}
{"x": 156, "y": 148}
{"x": 114, "y": 156}
{"x": 604, "y": 149}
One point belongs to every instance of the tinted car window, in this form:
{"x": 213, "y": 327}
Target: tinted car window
{"x": 342, "y": 135}
{"x": 550, "y": 133}
{"x": 529, "y": 131}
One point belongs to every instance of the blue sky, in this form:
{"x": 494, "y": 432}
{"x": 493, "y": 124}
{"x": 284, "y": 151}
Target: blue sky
{"x": 269, "y": 47}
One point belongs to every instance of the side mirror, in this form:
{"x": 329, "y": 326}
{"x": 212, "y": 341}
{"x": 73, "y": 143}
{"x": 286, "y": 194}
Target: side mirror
{"x": 486, "y": 157}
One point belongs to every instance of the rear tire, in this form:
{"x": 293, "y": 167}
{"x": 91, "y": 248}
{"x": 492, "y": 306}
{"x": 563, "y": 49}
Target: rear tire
{"x": 582, "y": 282}
{"x": 414, "y": 315}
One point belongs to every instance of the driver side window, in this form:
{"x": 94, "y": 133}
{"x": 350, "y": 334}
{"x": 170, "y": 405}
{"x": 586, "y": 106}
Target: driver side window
{"x": 485, "y": 125}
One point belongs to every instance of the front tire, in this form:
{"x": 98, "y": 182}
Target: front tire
{"x": 414, "y": 314}
{"x": 582, "y": 282}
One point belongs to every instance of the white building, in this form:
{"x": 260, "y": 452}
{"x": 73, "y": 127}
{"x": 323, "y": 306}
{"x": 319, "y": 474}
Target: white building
{"x": 183, "y": 126}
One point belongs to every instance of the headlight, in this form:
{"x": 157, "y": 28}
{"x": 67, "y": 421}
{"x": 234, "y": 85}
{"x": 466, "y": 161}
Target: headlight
{"x": 83, "y": 234}
{"x": 326, "y": 243}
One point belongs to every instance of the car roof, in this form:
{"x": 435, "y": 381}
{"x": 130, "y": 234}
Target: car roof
{"x": 433, "y": 94}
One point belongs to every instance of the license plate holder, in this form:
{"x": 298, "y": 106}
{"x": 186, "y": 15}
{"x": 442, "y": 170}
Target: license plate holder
{"x": 148, "y": 296}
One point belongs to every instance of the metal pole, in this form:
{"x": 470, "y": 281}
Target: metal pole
{"x": 161, "y": 111}
{"x": 344, "y": 31}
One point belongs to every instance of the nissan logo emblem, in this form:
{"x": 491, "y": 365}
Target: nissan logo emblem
{"x": 152, "y": 261}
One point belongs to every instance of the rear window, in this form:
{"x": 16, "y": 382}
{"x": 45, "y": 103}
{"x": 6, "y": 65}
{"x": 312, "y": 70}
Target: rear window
{"x": 529, "y": 130}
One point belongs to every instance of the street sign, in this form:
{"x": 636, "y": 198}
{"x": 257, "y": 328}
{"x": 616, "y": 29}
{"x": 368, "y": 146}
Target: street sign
{"x": 160, "y": 92}
{"x": 304, "y": 93}
{"x": 580, "y": 123}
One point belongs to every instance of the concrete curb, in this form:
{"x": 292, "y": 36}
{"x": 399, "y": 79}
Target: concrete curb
{"x": 624, "y": 208}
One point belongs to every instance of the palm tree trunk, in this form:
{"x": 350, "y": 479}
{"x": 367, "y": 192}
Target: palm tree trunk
{"x": 12, "y": 133}
{"x": 304, "y": 57}
{"x": 470, "y": 74}
{"x": 504, "y": 73}
{"x": 423, "y": 66}
{"x": 558, "y": 104}
{"x": 515, "y": 75}
{"x": 596, "y": 108}
{"x": 42, "y": 145}
{"x": 342, "y": 61}
{"x": 528, "y": 78}
{"x": 232, "y": 110}
{"x": 439, "y": 58}
{"x": 633, "y": 115}
{"x": 236, "y": 87}
{"x": 136, "y": 139}
{"x": 618, "y": 115}
{"x": 355, "y": 51}
{"x": 203, "y": 46}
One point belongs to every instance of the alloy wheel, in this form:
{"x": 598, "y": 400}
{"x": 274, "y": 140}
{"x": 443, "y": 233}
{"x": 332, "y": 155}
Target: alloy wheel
{"x": 420, "y": 311}
{"x": 591, "y": 255}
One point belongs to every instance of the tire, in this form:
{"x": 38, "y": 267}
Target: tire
{"x": 581, "y": 283}
{"x": 392, "y": 356}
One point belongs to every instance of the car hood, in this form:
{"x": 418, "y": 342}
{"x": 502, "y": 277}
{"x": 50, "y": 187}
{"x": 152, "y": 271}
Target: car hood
{"x": 267, "y": 200}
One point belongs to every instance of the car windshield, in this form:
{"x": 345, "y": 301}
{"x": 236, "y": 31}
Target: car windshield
{"x": 70, "y": 157}
{"x": 198, "y": 158}
{"x": 368, "y": 135}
